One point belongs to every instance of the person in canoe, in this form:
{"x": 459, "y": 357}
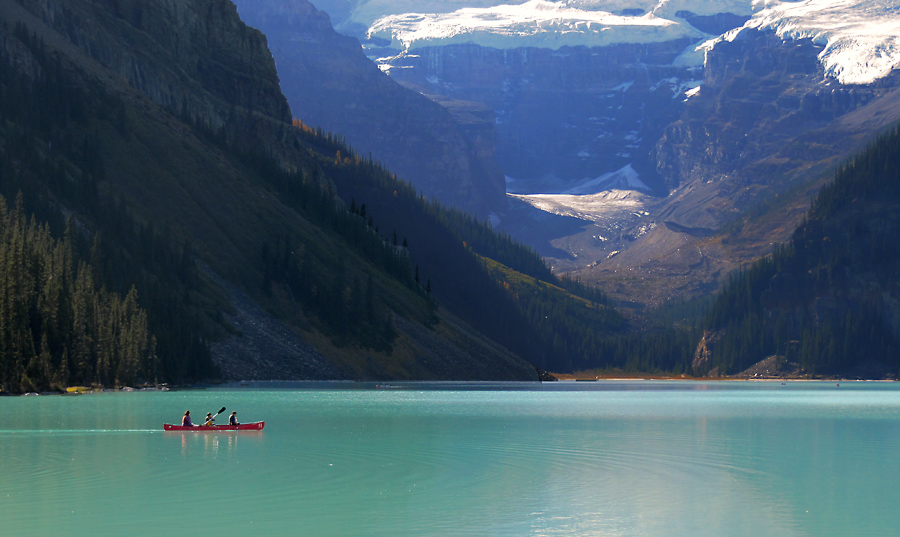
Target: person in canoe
{"x": 210, "y": 420}
{"x": 232, "y": 420}
{"x": 186, "y": 420}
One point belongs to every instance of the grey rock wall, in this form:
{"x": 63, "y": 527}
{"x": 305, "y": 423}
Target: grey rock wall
{"x": 564, "y": 114}
{"x": 192, "y": 56}
{"x": 766, "y": 119}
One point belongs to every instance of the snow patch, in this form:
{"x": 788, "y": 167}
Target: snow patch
{"x": 366, "y": 12}
{"x": 535, "y": 23}
{"x": 604, "y": 207}
{"x": 625, "y": 178}
{"x": 410, "y": 24}
{"x": 861, "y": 38}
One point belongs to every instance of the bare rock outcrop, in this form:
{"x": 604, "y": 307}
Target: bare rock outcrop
{"x": 193, "y": 57}
{"x": 703, "y": 354}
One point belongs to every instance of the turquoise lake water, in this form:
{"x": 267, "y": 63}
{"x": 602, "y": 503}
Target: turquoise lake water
{"x": 583, "y": 459}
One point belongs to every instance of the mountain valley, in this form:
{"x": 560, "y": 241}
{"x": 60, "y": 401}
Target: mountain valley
{"x": 702, "y": 111}
{"x": 496, "y": 191}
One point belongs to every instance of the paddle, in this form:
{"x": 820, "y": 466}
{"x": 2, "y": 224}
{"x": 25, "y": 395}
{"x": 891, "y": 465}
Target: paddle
{"x": 210, "y": 420}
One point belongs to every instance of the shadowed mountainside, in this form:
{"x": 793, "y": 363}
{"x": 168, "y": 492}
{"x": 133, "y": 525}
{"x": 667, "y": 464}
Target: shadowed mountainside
{"x": 447, "y": 152}
{"x": 179, "y": 105}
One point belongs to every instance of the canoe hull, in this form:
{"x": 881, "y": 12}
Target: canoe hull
{"x": 255, "y": 426}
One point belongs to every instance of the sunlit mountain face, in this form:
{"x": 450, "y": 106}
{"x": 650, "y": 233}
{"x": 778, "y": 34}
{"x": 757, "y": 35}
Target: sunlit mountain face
{"x": 698, "y": 110}
{"x": 597, "y": 79}
{"x": 859, "y": 37}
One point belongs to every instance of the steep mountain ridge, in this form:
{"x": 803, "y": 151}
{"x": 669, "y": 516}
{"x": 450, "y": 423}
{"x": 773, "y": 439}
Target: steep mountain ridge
{"x": 191, "y": 58}
{"x": 445, "y": 151}
{"x": 151, "y": 182}
{"x": 202, "y": 170}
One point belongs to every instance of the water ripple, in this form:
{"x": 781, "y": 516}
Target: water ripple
{"x": 635, "y": 463}
{"x": 75, "y": 431}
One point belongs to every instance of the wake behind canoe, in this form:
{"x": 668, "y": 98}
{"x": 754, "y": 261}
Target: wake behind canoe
{"x": 255, "y": 426}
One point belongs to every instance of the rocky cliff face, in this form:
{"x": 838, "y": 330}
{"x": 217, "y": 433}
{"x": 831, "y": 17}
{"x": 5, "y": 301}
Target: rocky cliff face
{"x": 766, "y": 122}
{"x": 329, "y": 82}
{"x": 700, "y": 365}
{"x": 562, "y": 115}
{"x": 765, "y": 117}
{"x": 193, "y": 57}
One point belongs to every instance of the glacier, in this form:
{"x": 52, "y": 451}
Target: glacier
{"x": 537, "y": 23}
{"x": 612, "y": 209}
{"x": 860, "y": 38}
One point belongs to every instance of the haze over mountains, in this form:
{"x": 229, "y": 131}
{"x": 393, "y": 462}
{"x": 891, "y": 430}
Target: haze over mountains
{"x": 701, "y": 110}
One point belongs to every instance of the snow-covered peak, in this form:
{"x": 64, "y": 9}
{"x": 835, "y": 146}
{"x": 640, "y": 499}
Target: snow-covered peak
{"x": 367, "y": 12}
{"x": 861, "y": 38}
{"x": 536, "y": 23}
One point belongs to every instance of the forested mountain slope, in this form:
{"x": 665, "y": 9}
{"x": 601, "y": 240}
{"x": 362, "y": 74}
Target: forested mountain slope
{"x": 151, "y": 139}
{"x": 189, "y": 200}
{"x": 829, "y": 300}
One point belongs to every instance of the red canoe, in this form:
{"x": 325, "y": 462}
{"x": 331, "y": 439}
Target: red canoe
{"x": 255, "y": 426}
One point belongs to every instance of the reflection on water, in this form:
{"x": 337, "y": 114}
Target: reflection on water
{"x": 686, "y": 459}
{"x": 210, "y": 442}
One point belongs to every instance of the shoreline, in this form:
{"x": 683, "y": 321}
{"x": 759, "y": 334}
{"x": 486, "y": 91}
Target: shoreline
{"x": 400, "y": 384}
{"x": 582, "y": 377}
